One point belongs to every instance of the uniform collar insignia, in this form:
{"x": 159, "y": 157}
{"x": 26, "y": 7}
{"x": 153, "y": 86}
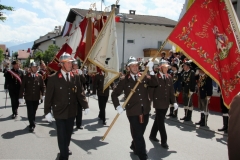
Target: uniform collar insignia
{"x": 129, "y": 76}
{"x": 60, "y": 75}
{"x": 71, "y": 74}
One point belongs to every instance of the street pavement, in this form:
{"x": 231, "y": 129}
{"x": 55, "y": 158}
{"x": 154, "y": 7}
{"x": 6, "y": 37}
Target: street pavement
{"x": 185, "y": 140}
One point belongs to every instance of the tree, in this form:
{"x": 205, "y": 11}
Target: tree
{"x": 3, "y": 7}
{"x": 50, "y": 53}
{"x": 15, "y": 55}
{"x": 1, "y": 55}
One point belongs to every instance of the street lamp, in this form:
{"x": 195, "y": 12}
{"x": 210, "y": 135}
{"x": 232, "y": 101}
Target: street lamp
{"x": 124, "y": 18}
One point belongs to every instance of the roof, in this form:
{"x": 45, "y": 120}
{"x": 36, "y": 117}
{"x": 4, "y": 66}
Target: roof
{"x": 3, "y": 47}
{"x": 23, "y": 54}
{"x": 136, "y": 19}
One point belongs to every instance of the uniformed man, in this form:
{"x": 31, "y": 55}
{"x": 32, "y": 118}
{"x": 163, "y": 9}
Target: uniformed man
{"x": 33, "y": 88}
{"x": 188, "y": 84}
{"x": 13, "y": 80}
{"x": 162, "y": 96}
{"x": 77, "y": 71}
{"x": 176, "y": 77}
{"x": 64, "y": 90}
{"x": 137, "y": 108}
{"x": 205, "y": 91}
{"x": 98, "y": 85}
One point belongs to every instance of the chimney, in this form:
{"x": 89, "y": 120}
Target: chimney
{"x": 132, "y": 12}
{"x": 117, "y": 8}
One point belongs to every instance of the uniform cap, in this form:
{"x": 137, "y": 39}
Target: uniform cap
{"x": 132, "y": 60}
{"x": 14, "y": 62}
{"x": 175, "y": 65}
{"x": 65, "y": 57}
{"x": 163, "y": 62}
{"x": 188, "y": 63}
{"x": 33, "y": 64}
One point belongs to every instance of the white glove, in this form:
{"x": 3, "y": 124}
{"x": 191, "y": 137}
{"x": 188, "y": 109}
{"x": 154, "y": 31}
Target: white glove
{"x": 20, "y": 100}
{"x": 80, "y": 72}
{"x": 43, "y": 98}
{"x": 86, "y": 111}
{"x": 49, "y": 117}
{"x": 94, "y": 96}
{"x": 208, "y": 98}
{"x": 120, "y": 109}
{"x": 150, "y": 66}
{"x": 180, "y": 69}
{"x": 175, "y": 105}
{"x": 190, "y": 93}
{"x": 197, "y": 72}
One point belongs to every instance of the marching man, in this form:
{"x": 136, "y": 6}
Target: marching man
{"x": 13, "y": 82}
{"x": 64, "y": 90}
{"x": 78, "y": 72}
{"x": 163, "y": 94}
{"x": 32, "y": 87}
{"x": 137, "y": 108}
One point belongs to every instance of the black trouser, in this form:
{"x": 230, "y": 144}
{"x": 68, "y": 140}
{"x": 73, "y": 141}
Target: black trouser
{"x": 64, "y": 133}
{"x": 79, "y": 116}
{"x": 102, "y": 102}
{"x": 224, "y": 109}
{"x": 31, "y": 112}
{"x": 159, "y": 125}
{"x": 137, "y": 132}
{"x": 14, "y": 95}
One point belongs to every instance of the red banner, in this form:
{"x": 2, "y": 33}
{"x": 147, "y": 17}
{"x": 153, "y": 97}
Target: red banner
{"x": 206, "y": 34}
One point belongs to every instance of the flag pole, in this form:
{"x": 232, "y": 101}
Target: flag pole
{"x": 133, "y": 90}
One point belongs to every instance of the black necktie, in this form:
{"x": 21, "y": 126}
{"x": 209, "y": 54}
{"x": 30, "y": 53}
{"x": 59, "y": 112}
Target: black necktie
{"x": 33, "y": 76}
{"x": 135, "y": 78}
{"x": 164, "y": 77}
{"x": 67, "y": 77}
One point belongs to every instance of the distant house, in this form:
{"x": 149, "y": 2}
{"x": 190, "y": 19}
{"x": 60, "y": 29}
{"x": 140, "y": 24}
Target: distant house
{"x": 23, "y": 55}
{"x": 51, "y": 38}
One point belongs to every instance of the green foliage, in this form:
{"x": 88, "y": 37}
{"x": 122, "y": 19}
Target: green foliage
{"x": 1, "y": 55}
{"x": 50, "y": 53}
{"x": 3, "y": 7}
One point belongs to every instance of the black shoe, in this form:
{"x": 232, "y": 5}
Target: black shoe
{"x": 69, "y": 152}
{"x": 165, "y": 145}
{"x": 104, "y": 123}
{"x": 80, "y": 127}
{"x": 154, "y": 139}
{"x": 13, "y": 116}
{"x": 133, "y": 149}
{"x": 31, "y": 129}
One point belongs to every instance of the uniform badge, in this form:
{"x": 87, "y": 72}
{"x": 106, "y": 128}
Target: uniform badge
{"x": 145, "y": 85}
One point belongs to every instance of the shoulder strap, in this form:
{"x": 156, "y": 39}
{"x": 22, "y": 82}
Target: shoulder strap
{"x": 15, "y": 75}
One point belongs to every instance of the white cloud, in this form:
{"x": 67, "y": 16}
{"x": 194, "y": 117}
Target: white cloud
{"x": 22, "y": 1}
{"x": 30, "y": 25}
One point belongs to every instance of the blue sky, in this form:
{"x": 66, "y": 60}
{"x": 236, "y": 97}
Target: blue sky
{"x": 34, "y": 18}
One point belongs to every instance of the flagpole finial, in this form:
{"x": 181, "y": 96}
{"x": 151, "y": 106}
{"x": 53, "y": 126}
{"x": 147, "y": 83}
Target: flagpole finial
{"x": 117, "y": 2}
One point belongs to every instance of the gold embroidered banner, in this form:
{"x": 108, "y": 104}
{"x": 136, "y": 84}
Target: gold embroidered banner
{"x": 208, "y": 34}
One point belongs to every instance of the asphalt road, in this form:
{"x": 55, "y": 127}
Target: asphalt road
{"x": 186, "y": 142}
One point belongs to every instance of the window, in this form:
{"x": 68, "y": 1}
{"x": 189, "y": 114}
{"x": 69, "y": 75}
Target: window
{"x": 130, "y": 41}
{"x": 159, "y": 44}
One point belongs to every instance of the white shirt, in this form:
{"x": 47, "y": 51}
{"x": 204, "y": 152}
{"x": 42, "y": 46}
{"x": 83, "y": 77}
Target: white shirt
{"x": 33, "y": 75}
{"x": 132, "y": 75}
{"x": 64, "y": 74}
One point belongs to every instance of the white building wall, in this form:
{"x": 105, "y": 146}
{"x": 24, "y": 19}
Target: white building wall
{"x": 144, "y": 36}
{"x": 59, "y": 42}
